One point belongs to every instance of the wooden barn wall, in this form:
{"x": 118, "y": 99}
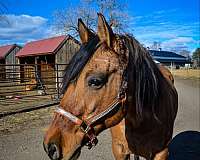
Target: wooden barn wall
{"x": 46, "y": 68}
{"x": 2, "y": 69}
{"x": 64, "y": 55}
{"x": 27, "y": 71}
{"x": 10, "y": 59}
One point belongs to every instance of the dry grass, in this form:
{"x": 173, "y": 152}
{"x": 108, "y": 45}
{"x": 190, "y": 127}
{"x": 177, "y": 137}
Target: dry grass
{"x": 187, "y": 73}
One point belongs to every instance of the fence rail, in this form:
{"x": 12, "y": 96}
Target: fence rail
{"x": 28, "y": 85}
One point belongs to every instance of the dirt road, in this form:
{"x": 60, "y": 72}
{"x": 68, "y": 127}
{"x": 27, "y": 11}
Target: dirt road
{"x": 21, "y": 135}
{"x": 188, "y": 117}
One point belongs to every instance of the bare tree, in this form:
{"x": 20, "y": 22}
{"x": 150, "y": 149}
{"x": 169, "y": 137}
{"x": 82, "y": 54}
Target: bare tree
{"x": 196, "y": 58}
{"x": 156, "y": 45}
{"x": 185, "y": 53}
{"x": 116, "y": 13}
{"x": 65, "y": 21}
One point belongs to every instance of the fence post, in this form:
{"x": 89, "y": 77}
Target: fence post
{"x": 57, "y": 81}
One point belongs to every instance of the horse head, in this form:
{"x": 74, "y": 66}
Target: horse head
{"x": 94, "y": 93}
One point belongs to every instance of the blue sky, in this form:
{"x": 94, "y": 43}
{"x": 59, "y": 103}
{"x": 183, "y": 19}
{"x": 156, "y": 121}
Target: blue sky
{"x": 173, "y": 23}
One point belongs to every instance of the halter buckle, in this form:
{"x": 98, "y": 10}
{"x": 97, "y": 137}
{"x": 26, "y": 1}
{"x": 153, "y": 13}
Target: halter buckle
{"x": 84, "y": 127}
{"x": 89, "y": 132}
{"x": 92, "y": 139}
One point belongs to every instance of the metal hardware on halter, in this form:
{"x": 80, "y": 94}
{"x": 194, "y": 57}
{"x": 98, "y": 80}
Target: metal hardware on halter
{"x": 89, "y": 132}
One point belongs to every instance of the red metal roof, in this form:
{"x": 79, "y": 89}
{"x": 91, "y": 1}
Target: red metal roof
{"x": 4, "y": 50}
{"x": 41, "y": 47}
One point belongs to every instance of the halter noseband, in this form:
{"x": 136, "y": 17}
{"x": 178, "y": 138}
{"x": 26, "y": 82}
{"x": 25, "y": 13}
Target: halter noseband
{"x": 86, "y": 125}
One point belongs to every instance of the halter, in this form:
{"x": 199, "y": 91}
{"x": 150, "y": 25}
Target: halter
{"x": 86, "y": 125}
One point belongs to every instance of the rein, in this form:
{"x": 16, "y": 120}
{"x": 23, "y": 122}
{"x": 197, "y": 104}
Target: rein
{"x": 86, "y": 125}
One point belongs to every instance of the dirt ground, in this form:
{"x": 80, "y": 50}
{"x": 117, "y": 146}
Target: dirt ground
{"x": 21, "y": 135}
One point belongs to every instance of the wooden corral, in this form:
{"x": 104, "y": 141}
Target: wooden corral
{"x": 46, "y": 59}
{"x": 7, "y": 59}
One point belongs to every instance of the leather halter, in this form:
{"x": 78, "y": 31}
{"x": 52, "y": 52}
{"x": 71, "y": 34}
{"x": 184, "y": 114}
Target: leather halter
{"x": 86, "y": 125}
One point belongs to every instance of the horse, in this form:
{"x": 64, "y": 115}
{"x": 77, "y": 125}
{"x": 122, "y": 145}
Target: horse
{"x": 112, "y": 77}
{"x": 119, "y": 143}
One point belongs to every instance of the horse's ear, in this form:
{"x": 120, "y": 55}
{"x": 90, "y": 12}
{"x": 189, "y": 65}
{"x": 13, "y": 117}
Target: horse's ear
{"x": 105, "y": 32}
{"x": 84, "y": 33}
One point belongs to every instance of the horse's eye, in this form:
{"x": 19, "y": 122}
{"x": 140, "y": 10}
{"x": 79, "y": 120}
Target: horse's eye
{"x": 97, "y": 81}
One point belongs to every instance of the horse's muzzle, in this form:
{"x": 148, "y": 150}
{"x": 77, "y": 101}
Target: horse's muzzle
{"x": 53, "y": 151}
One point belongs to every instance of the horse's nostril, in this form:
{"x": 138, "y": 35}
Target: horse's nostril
{"x": 52, "y": 150}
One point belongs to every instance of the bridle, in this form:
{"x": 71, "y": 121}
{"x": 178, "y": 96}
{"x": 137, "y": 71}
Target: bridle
{"x": 86, "y": 125}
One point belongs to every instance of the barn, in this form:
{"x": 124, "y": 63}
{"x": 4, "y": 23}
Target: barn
{"x": 7, "y": 60}
{"x": 46, "y": 59}
{"x": 169, "y": 58}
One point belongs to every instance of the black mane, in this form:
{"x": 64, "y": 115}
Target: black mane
{"x": 78, "y": 62}
{"x": 146, "y": 76}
